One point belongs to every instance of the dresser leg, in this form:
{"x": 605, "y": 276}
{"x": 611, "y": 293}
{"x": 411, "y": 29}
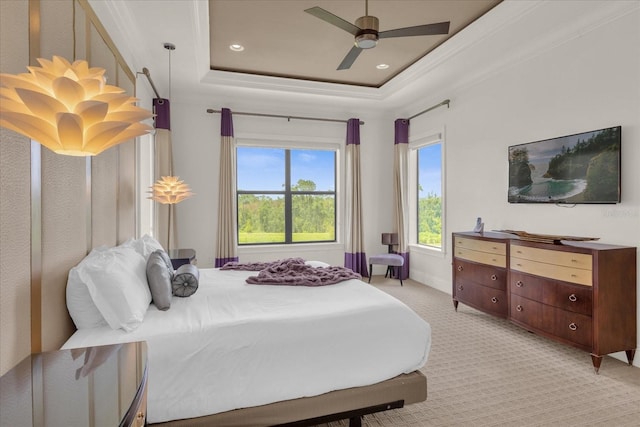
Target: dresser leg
{"x": 630, "y": 354}
{"x": 596, "y": 360}
{"x": 455, "y": 304}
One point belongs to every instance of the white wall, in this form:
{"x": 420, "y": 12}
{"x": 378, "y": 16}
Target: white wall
{"x": 585, "y": 83}
{"x": 196, "y": 139}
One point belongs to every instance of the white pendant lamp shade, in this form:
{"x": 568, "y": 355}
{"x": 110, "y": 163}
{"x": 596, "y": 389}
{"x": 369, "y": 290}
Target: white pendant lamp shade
{"x": 169, "y": 190}
{"x": 69, "y": 108}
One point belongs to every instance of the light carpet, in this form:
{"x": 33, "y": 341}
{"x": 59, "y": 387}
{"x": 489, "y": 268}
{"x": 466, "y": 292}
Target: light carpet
{"x": 485, "y": 371}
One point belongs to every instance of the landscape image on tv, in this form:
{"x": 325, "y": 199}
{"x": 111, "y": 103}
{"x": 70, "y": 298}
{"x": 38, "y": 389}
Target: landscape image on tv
{"x": 580, "y": 168}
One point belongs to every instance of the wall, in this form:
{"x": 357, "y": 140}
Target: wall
{"x": 587, "y": 82}
{"x": 196, "y": 139}
{"x": 54, "y": 208}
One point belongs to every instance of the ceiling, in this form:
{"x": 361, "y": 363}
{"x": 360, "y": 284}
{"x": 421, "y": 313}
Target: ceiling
{"x": 281, "y": 40}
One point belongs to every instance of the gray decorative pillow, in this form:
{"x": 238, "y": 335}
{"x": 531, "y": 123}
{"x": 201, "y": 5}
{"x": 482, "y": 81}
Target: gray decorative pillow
{"x": 185, "y": 281}
{"x": 159, "y": 276}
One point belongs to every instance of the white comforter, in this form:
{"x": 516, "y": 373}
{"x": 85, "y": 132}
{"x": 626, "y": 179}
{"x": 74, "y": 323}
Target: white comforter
{"x": 233, "y": 345}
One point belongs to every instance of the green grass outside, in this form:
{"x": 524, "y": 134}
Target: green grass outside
{"x": 251, "y": 238}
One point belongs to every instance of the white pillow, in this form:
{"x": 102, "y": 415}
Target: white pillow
{"x": 317, "y": 264}
{"x": 144, "y": 245}
{"x": 117, "y": 283}
{"x": 83, "y": 311}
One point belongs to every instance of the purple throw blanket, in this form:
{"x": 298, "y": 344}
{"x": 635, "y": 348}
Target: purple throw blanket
{"x": 293, "y": 271}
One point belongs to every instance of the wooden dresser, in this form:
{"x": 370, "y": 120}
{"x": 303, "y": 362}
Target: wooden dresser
{"x": 480, "y": 272}
{"x": 578, "y": 293}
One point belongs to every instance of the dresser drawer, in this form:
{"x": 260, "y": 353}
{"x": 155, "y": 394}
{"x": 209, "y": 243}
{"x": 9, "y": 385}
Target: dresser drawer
{"x": 481, "y": 297}
{"x": 553, "y": 271}
{"x": 575, "y": 298}
{"x": 481, "y": 257}
{"x": 527, "y": 286}
{"x": 481, "y": 245}
{"x": 526, "y": 311}
{"x": 548, "y": 256}
{"x": 480, "y": 274}
{"x": 573, "y": 327}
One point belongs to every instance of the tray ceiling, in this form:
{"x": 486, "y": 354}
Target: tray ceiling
{"x": 280, "y": 39}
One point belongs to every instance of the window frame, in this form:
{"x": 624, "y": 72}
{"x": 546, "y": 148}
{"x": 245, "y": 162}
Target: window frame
{"x": 415, "y": 143}
{"x": 297, "y": 143}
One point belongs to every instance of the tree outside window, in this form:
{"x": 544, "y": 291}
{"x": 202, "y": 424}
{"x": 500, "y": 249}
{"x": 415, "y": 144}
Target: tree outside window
{"x": 286, "y": 195}
{"x": 430, "y": 195}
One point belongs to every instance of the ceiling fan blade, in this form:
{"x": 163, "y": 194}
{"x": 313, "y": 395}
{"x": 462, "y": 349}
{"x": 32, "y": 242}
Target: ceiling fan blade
{"x": 420, "y": 30}
{"x": 350, "y": 58}
{"x": 319, "y": 12}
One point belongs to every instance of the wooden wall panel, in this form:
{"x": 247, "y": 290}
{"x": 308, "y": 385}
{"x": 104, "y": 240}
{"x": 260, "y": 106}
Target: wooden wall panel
{"x": 64, "y": 201}
{"x": 53, "y": 208}
{"x": 64, "y": 239}
{"x": 126, "y": 175}
{"x": 15, "y": 202}
{"x": 104, "y": 195}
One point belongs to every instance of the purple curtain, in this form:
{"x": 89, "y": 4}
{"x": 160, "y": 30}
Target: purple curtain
{"x": 354, "y": 256}
{"x": 227, "y": 244}
{"x": 162, "y": 110}
{"x": 401, "y": 191}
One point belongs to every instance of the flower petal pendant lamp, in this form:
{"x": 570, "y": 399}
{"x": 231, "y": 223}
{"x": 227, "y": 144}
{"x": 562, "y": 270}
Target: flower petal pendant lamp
{"x": 69, "y": 108}
{"x": 170, "y": 190}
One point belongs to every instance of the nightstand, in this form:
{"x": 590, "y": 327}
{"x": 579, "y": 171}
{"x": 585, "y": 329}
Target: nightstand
{"x": 182, "y": 256}
{"x": 93, "y": 386}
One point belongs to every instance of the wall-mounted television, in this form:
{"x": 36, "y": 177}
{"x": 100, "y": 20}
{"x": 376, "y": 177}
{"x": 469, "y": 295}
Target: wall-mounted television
{"x": 574, "y": 169}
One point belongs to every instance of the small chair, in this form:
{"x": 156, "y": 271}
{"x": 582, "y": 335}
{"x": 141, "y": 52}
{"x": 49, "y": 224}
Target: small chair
{"x": 391, "y": 259}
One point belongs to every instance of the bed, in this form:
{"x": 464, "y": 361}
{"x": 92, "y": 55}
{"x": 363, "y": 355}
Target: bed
{"x": 242, "y": 354}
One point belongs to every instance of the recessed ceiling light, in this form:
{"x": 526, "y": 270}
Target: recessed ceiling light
{"x": 382, "y": 66}
{"x": 236, "y": 47}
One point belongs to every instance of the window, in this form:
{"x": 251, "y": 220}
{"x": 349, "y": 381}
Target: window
{"x": 429, "y": 180}
{"x": 286, "y": 195}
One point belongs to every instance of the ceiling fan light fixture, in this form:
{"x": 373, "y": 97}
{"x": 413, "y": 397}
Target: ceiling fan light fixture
{"x": 366, "y": 40}
{"x": 367, "y": 37}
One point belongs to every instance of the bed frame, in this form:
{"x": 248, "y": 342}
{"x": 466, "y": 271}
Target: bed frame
{"x": 351, "y": 404}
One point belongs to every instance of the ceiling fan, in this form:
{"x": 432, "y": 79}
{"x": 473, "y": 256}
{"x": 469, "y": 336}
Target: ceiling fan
{"x": 366, "y": 31}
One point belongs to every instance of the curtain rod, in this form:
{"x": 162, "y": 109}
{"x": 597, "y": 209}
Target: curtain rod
{"x": 145, "y": 71}
{"x": 445, "y": 102}
{"x": 211, "y": 111}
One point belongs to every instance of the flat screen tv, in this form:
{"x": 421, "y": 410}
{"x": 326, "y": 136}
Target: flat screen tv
{"x": 574, "y": 169}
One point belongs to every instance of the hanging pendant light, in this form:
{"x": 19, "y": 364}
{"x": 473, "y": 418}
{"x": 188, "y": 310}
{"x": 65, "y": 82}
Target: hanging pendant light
{"x": 69, "y": 108}
{"x": 170, "y": 190}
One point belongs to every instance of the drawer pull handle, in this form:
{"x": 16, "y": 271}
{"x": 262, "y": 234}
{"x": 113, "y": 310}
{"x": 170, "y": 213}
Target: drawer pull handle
{"x": 573, "y": 275}
{"x": 573, "y": 326}
{"x": 460, "y": 288}
{"x": 573, "y": 298}
{"x": 494, "y": 300}
{"x": 519, "y": 283}
{"x": 574, "y": 260}
{"x": 494, "y": 277}
{"x": 518, "y": 307}
{"x": 460, "y": 268}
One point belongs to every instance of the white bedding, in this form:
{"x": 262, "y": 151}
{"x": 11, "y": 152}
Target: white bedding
{"x": 233, "y": 345}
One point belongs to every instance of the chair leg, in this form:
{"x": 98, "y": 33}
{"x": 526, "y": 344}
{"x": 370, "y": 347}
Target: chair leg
{"x": 370, "y": 272}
